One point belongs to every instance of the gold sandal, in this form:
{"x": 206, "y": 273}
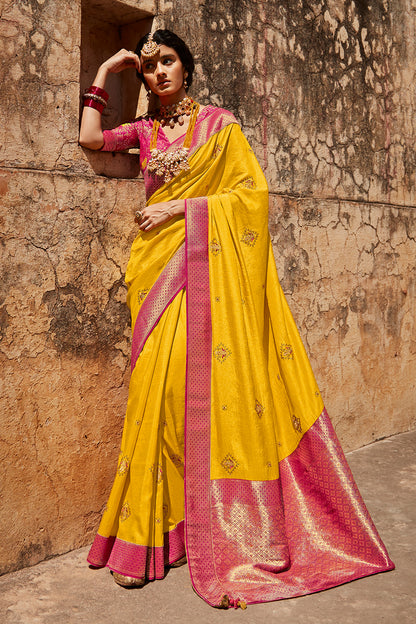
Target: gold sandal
{"x": 128, "y": 581}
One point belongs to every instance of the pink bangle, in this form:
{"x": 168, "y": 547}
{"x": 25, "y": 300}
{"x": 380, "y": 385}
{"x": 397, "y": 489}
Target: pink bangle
{"x": 88, "y": 101}
{"x": 97, "y": 91}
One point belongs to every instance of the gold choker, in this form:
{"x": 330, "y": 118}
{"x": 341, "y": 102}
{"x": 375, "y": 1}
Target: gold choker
{"x": 175, "y": 112}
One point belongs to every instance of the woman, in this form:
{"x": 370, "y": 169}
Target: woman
{"x": 227, "y": 456}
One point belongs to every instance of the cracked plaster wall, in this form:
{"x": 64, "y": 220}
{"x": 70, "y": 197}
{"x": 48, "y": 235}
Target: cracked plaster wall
{"x": 324, "y": 91}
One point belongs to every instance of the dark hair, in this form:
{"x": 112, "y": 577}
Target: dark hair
{"x": 169, "y": 39}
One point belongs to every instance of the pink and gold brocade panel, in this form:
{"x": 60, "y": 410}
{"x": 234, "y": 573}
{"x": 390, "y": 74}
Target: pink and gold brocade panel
{"x": 135, "y": 560}
{"x": 304, "y": 532}
{"x": 169, "y": 283}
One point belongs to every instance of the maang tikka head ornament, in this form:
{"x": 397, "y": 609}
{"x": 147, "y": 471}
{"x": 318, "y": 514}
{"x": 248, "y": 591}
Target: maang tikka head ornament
{"x": 150, "y": 48}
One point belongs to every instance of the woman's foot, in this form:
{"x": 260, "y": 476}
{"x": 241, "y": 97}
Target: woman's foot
{"x": 128, "y": 581}
{"x": 178, "y": 563}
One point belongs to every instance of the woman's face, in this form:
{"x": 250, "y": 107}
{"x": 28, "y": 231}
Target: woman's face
{"x": 164, "y": 73}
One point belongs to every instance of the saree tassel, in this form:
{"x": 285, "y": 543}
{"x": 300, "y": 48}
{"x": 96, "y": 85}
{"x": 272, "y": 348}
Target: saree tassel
{"x": 227, "y": 602}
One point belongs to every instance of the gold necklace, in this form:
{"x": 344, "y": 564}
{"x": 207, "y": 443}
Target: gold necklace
{"x": 170, "y": 163}
{"x": 175, "y": 112}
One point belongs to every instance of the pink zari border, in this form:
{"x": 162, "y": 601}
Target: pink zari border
{"x": 135, "y": 560}
{"x": 198, "y": 402}
{"x": 168, "y": 284}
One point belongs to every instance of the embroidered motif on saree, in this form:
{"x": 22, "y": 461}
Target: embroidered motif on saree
{"x": 125, "y": 512}
{"x": 259, "y": 409}
{"x": 215, "y": 247}
{"x": 249, "y": 237}
{"x": 286, "y": 351}
{"x": 229, "y": 463}
{"x": 221, "y": 352}
{"x": 123, "y": 465}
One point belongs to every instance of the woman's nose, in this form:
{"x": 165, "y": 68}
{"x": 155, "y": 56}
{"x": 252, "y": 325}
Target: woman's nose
{"x": 160, "y": 69}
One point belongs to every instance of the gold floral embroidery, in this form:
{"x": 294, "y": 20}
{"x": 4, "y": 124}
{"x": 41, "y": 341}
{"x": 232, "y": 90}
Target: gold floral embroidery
{"x": 215, "y": 247}
{"x": 229, "y": 463}
{"x": 165, "y": 510}
{"x": 247, "y": 183}
{"x": 138, "y": 422}
{"x": 141, "y": 295}
{"x": 296, "y": 424}
{"x": 249, "y": 237}
{"x": 123, "y": 465}
{"x": 286, "y": 351}
{"x": 217, "y": 299}
{"x": 269, "y": 464}
{"x": 157, "y": 470}
{"x": 176, "y": 459}
{"x": 217, "y": 150}
{"x": 224, "y": 407}
{"x": 221, "y": 352}
{"x": 158, "y": 520}
{"x": 259, "y": 409}
{"x": 317, "y": 393}
{"x": 125, "y": 512}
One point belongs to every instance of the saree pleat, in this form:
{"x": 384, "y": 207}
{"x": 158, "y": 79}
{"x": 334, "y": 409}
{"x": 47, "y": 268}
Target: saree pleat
{"x": 227, "y": 449}
{"x": 146, "y": 501}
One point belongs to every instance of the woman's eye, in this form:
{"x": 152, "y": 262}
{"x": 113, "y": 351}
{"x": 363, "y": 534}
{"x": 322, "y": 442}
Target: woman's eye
{"x": 168, "y": 61}
{"x": 149, "y": 66}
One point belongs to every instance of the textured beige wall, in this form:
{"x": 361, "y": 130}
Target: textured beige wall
{"x": 324, "y": 91}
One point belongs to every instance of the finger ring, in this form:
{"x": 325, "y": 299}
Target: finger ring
{"x": 139, "y": 215}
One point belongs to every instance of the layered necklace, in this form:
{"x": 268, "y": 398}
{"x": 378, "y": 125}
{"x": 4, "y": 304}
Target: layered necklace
{"x": 168, "y": 164}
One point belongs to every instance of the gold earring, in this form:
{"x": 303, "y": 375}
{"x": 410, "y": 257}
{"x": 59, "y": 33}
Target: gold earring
{"x": 185, "y": 84}
{"x": 148, "y": 94}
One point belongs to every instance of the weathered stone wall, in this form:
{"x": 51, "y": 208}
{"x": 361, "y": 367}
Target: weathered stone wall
{"x": 65, "y": 237}
{"x": 324, "y": 91}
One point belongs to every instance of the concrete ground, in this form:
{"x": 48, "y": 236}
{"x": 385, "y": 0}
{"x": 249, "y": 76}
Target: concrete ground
{"x": 64, "y": 590}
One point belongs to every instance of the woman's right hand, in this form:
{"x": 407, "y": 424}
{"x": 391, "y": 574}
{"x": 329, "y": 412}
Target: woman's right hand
{"x": 123, "y": 59}
{"x": 91, "y": 134}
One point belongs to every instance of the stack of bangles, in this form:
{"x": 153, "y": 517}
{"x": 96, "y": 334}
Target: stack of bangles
{"x": 95, "y": 97}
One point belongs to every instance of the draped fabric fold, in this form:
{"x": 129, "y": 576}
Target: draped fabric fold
{"x": 227, "y": 450}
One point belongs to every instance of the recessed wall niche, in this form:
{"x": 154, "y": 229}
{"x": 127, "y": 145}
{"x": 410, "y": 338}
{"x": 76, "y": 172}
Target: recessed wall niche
{"x": 106, "y": 27}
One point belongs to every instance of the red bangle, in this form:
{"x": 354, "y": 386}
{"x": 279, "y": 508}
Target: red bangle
{"x": 93, "y": 104}
{"x": 97, "y": 91}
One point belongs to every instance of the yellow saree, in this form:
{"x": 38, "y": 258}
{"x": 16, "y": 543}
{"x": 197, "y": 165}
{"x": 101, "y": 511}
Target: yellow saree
{"x": 227, "y": 451}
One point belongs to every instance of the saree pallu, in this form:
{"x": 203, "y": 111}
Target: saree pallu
{"x": 227, "y": 452}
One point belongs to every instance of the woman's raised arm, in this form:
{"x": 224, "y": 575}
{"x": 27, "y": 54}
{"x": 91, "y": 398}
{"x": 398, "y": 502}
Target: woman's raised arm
{"x": 91, "y": 133}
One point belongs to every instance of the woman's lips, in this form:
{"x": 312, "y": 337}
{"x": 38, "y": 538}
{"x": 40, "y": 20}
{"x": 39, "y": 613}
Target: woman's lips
{"x": 163, "y": 83}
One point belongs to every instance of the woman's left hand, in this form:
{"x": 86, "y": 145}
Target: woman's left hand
{"x": 150, "y": 217}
